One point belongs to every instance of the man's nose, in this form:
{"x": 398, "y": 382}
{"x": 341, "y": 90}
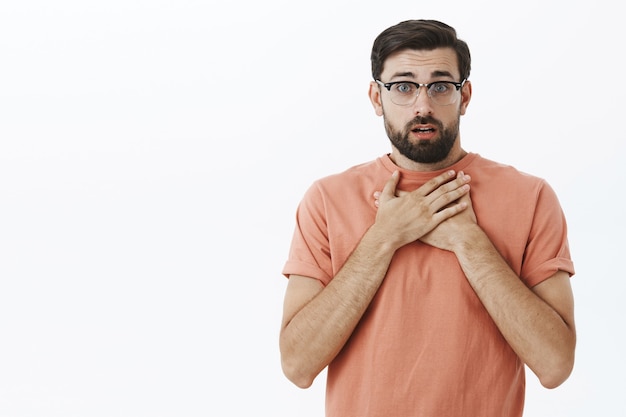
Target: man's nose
{"x": 423, "y": 103}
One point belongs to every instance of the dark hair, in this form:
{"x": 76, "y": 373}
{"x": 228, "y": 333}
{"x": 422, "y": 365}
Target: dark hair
{"x": 419, "y": 35}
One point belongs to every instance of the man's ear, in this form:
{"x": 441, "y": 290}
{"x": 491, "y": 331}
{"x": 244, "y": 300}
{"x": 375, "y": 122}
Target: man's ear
{"x": 375, "y": 98}
{"x": 466, "y": 96}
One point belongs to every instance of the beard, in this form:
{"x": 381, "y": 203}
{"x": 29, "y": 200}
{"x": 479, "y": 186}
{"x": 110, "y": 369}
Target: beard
{"x": 424, "y": 151}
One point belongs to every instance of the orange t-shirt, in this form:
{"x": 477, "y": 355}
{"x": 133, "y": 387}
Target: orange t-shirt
{"x": 426, "y": 346}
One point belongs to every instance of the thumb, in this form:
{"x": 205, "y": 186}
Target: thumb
{"x": 389, "y": 190}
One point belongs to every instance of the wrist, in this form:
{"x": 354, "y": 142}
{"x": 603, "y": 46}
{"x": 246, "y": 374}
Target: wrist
{"x": 379, "y": 238}
{"x": 472, "y": 239}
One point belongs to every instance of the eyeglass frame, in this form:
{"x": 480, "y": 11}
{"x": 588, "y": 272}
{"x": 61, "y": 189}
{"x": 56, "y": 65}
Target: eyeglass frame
{"x": 388, "y": 86}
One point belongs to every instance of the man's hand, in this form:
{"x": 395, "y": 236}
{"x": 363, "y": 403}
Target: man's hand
{"x": 455, "y": 230}
{"x": 408, "y": 216}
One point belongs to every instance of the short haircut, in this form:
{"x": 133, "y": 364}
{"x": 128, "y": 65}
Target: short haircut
{"x": 419, "y": 35}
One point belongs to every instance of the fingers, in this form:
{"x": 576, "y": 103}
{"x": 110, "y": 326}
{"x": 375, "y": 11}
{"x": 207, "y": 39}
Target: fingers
{"x": 444, "y": 187}
{"x": 389, "y": 190}
{"x": 452, "y": 191}
{"x": 450, "y": 210}
{"x": 454, "y": 200}
{"x": 436, "y": 182}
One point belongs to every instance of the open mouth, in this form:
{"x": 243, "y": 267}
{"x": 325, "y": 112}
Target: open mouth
{"x": 423, "y": 130}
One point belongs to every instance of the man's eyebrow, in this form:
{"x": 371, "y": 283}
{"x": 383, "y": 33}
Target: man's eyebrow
{"x": 434, "y": 74}
{"x": 441, "y": 74}
{"x": 403, "y": 74}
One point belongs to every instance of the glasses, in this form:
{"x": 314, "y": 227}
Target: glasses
{"x": 404, "y": 93}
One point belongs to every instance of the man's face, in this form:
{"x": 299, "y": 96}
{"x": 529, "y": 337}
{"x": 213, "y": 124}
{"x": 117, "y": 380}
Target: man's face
{"x": 423, "y": 131}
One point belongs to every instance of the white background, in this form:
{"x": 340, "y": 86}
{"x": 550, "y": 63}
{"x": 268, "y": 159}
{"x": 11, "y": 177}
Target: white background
{"x": 152, "y": 154}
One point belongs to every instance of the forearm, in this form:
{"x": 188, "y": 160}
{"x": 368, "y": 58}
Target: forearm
{"x": 319, "y": 330}
{"x": 541, "y": 337}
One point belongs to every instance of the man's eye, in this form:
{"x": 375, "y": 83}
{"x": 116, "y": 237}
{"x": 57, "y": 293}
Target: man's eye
{"x": 404, "y": 88}
{"x": 439, "y": 88}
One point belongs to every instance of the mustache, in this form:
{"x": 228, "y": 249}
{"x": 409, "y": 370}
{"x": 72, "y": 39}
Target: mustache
{"x": 419, "y": 120}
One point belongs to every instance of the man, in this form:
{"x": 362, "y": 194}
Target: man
{"x": 426, "y": 279}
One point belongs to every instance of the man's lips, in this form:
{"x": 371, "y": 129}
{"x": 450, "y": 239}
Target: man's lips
{"x": 424, "y": 131}
{"x": 423, "y": 128}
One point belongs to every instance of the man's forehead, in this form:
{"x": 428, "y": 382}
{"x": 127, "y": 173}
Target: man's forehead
{"x": 413, "y": 63}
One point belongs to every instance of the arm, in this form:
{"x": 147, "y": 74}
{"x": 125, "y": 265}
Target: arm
{"x": 538, "y": 323}
{"x": 317, "y": 320}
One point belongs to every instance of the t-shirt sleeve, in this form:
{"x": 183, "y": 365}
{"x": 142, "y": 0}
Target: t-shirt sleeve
{"x": 309, "y": 254}
{"x": 547, "y": 250}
